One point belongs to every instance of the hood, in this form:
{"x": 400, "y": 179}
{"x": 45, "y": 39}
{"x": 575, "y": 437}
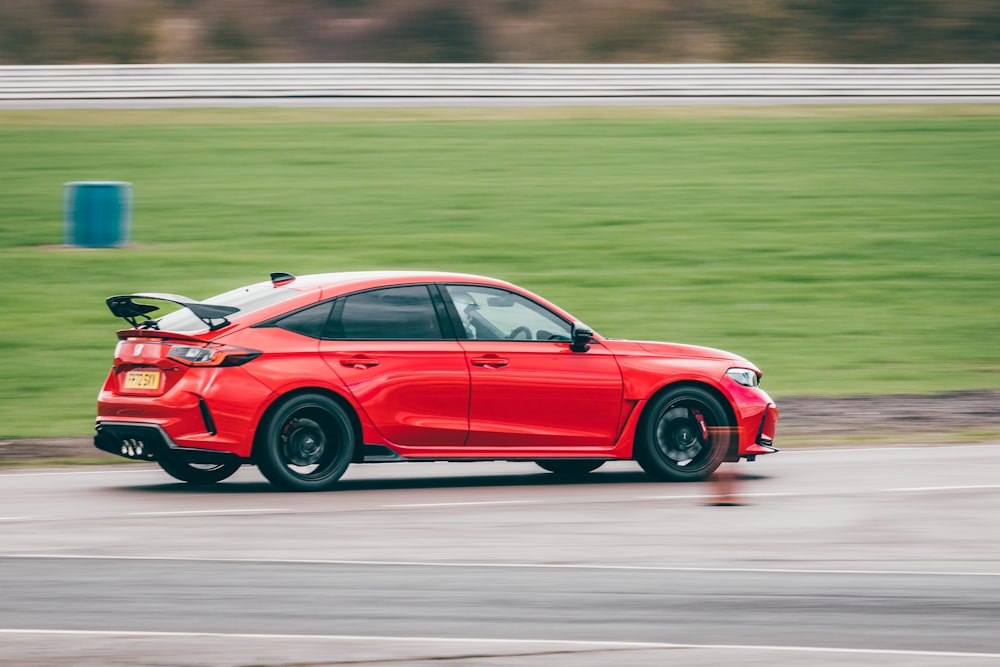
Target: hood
{"x": 674, "y": 350}
{"x": 682, "y": 350}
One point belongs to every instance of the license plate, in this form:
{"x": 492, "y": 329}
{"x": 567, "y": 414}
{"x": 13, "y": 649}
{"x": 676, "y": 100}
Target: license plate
{"x": 142, "y": 380}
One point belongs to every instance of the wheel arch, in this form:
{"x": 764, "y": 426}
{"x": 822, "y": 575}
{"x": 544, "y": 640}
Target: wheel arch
{"x": 734, "y": 444}
{"x": 352, "y": 413}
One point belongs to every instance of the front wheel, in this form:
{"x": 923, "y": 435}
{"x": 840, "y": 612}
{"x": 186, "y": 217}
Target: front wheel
{"x": 199, "y": 473}
{"x": 684, "y": 435}
{"x": 306, "y": 444}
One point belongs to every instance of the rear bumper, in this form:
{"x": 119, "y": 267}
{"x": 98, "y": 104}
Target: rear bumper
{"x": 149, "y": 442}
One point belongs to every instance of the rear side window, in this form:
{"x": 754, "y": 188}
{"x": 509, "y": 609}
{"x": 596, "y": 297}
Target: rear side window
{"x": 392, "y": 313}
{"x": 309, "y": 321}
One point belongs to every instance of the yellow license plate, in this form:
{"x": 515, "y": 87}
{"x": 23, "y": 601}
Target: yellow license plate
{"x": 142, "y": 380}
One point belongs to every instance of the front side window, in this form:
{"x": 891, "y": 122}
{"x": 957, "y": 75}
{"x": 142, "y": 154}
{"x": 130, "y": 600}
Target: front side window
{"x": 490, "y": 313}
{"x": 392, "y": 313}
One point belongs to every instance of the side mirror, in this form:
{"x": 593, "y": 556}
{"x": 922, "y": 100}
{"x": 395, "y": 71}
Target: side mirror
{"x": 582, "y": 336}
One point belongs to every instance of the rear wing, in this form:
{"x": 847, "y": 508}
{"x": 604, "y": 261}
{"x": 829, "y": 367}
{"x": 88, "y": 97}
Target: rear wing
{"x": 124, "y": 306}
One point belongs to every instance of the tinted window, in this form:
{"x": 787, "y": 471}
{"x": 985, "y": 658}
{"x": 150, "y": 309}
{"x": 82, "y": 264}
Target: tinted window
{"x": 490, "y": 313}
{"x": 309, "y": 321}
{"x": 391, "y": 313}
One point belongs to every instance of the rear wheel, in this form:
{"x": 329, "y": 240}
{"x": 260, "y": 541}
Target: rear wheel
{"x": 199, "y": 473}
{"x": 570, "y": 467}
{"x": 684, "y": 435}
{"x": 306, "y": 444}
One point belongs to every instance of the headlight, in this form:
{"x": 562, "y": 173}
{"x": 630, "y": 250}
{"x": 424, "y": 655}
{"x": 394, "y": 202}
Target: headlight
{"x": 744, "y": 376}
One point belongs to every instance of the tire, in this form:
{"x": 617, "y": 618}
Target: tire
{"x": 684, "y": 435}
{"x": 199, "y": 473}
{"x": 306, "y": 444}
{"x": 570, "y": 467}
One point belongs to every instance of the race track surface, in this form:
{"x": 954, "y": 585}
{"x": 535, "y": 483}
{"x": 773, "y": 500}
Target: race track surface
{"x": 882, "y": 556}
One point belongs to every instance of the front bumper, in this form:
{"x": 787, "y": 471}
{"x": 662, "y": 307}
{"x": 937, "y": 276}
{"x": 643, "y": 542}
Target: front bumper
{"x": 149, "y": 442}
{"x": 764, "y": 442}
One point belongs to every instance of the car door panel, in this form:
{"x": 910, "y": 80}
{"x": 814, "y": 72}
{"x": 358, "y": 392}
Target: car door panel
{"x": 391, "y": 351}
{"x": 416, "y": 393}
{"x": 542, "y": 394}
{"x": 528, "y": 387}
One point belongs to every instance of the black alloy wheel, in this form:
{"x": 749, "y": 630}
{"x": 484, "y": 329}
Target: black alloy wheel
{"x": 306, "y": 443}
{"x": 684, "y": 435}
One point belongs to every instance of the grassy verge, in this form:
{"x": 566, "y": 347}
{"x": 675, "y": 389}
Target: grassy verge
{"x": 846, "y": 250}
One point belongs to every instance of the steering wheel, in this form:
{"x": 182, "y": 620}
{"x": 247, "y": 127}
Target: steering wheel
{"x": 518, "y": 331}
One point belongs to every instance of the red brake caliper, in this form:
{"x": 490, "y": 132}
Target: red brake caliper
{"x": 701, "y": 422}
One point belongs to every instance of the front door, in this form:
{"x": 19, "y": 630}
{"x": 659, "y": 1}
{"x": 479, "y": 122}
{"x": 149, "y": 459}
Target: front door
{"x": 528, "y": 388}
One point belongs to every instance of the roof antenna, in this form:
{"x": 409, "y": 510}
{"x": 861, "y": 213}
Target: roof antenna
{"x": 279, "y": 278}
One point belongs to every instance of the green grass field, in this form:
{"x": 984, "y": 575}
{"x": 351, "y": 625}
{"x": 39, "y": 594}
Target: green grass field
{"x": 845, "y": 250}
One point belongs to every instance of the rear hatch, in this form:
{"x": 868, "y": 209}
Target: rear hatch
{"x": 154, "y": 354}
{"x": 149, "y": 363}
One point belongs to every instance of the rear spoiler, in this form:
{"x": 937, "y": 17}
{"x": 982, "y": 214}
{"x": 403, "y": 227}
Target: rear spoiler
{"x": 123, "y": 306}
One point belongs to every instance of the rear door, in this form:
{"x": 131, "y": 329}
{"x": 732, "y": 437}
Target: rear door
{"x": 395, "y": 351}
{"x": 528, "y": 387}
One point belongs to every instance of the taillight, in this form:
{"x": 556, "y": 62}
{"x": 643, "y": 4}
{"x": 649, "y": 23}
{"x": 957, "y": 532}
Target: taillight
{"x": 211, "y": 355}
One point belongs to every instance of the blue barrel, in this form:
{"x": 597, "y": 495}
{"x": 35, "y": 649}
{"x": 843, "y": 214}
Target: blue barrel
{"x": 97, "y": 214}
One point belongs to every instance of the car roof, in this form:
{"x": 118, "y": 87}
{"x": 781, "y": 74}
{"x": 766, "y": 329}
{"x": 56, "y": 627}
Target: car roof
{"x": 347, "y": 280}
{"x": 333, "y": 284}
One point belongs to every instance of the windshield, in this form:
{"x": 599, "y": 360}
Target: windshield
{"x": 247, "y": 299}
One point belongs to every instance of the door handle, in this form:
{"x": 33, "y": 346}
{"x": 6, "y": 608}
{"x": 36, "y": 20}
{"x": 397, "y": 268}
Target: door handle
{"x": 360, "y": 363}
{"x": 490, "y": 361}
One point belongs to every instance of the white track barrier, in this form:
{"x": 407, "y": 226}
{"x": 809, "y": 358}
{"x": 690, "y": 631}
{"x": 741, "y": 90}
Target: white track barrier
{"x": 311, "y": 80}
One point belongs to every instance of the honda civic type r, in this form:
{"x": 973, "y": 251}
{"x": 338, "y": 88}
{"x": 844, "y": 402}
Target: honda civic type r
{"x": 303, "y": 376}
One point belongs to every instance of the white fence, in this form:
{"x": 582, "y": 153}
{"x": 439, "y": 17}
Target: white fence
{"x": 82, "y": 82}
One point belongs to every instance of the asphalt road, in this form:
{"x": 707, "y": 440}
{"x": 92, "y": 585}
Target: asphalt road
{"x": 837, "y": 557}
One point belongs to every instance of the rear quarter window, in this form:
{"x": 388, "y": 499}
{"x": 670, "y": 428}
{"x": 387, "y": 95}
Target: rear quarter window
{"x": 309, "y": 321}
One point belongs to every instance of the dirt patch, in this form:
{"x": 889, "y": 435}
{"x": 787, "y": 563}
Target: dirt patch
{"x": 52, "y": 449}
{"x": 961, "y": 416}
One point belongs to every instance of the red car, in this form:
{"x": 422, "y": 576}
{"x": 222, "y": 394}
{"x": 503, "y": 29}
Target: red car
{"x": 302, "y": 376}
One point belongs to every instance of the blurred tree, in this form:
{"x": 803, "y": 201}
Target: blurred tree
{"x": 898, "y": 31}
{"x": 864, "y": 31}
{"x": 428, "y": 32}
{"x": 22, "y": 29}
{"x": 231, "y": 39}
{"x": 54, "y": 31}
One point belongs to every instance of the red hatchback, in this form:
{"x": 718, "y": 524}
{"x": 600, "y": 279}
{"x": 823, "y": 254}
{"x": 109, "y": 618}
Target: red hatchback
{"x": 302, "y": 376}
